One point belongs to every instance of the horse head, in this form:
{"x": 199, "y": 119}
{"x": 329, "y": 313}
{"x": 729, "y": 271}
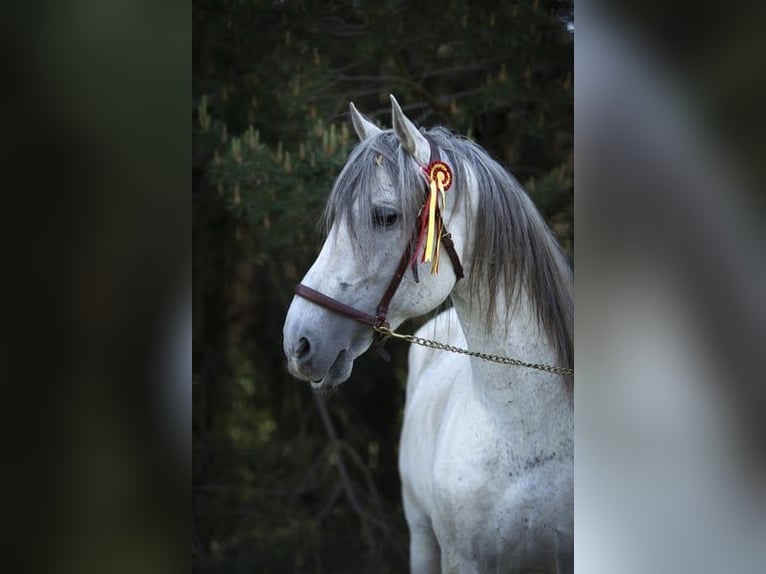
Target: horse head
{"x": 375, "y": 220}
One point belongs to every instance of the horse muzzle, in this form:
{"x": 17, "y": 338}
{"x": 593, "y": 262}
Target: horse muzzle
{"x": 321, "y": 346}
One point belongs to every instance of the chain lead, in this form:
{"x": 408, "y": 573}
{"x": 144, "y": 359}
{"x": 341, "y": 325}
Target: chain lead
{"x": 386, "y": 332}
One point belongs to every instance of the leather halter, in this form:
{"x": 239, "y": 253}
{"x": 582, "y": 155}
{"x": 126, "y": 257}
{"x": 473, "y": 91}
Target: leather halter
{"x": 379, "y": 319}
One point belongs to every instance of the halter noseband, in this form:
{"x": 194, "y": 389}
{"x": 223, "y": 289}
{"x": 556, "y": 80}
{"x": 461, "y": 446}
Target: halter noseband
{"x": 379, "y": 319}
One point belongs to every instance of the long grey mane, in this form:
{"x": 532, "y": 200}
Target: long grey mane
{"x": 512, "y": 245}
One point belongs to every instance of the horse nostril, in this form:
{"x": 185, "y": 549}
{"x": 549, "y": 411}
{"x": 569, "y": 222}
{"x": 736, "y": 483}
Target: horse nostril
{"x": 303, "y": 348}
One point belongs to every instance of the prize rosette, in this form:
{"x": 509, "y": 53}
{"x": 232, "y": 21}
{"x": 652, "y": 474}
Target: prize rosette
{"x": 439, "y": 181}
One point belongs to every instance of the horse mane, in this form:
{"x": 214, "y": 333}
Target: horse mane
{"x": 512, "y": 245}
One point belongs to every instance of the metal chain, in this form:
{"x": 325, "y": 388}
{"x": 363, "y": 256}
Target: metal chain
{"x": 386, "y": 332}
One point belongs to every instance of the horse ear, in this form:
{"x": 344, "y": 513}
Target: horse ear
{"x": 409, "y": 136}
{"x": 364, "y": 128}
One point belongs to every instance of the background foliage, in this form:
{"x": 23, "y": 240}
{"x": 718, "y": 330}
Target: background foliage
{"x": 284, "y": 481}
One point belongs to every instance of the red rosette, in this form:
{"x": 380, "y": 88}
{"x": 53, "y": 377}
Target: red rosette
{"x": 439, "y": 168}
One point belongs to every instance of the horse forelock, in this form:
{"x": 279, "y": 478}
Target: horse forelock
{"x": 512, "y": 247}
{"x": 352, "y": 197}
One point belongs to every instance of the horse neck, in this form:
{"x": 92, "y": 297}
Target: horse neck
{"x": 515, "y": 397}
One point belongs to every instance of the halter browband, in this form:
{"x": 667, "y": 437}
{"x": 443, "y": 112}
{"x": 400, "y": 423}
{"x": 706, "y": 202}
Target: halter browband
{"x": 379, "y": 319}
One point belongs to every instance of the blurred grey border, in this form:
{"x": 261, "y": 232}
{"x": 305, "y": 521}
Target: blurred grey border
{"x": 670, "y": 314}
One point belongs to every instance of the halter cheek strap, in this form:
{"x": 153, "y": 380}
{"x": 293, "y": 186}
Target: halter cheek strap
{"x": 379, "y": 319}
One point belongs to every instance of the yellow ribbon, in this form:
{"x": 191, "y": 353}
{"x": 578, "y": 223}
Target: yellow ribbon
{"x": 428, "y": 253}
{"x": 440, "y": 179}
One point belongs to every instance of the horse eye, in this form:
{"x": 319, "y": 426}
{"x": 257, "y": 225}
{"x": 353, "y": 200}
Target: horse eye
{"x": 384, "y": 216}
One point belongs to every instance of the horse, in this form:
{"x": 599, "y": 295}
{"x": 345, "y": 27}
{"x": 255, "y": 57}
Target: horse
{"x": 487, "y": 449}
